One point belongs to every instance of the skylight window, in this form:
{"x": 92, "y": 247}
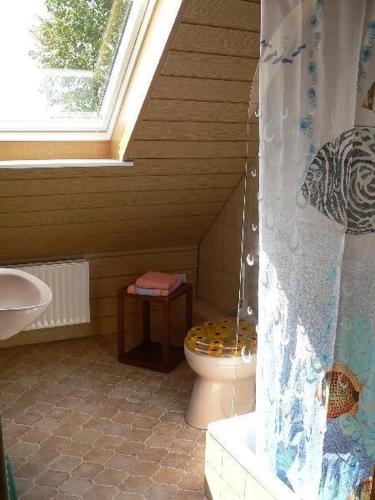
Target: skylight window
{"x": 64, "y": 62}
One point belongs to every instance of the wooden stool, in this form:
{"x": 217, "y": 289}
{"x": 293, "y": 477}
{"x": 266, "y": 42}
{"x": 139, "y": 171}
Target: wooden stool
{"x": 153, "y": 355}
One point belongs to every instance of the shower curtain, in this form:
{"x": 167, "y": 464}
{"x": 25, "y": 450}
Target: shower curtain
{"x": 316, "y": 331}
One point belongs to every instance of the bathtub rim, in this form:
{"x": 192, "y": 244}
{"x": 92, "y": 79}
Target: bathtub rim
{"x": 229, "y": 434}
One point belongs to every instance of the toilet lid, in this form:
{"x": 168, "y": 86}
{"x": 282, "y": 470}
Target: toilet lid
{"x": 222, "y": 338}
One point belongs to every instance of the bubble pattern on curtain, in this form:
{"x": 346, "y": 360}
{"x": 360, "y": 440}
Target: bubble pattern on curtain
{"x": 316, "y": 332}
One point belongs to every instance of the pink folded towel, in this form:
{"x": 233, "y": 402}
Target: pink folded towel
{"x": 155, "y": 292}
{"x": 159, "y": 281}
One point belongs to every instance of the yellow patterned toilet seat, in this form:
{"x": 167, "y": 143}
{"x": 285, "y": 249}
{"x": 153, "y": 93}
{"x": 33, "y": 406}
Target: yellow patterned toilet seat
{"x": 222, "y": 338}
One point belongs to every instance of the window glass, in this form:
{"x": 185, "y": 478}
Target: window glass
{"x": 63, "y": 61}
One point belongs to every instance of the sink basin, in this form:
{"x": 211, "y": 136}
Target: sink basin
{"x": 23, "y": 297}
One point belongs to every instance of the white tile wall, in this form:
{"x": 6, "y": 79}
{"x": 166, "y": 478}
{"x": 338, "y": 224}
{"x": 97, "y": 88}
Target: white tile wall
{"x": 226, "y": 478}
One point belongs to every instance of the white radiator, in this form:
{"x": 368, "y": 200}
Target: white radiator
{"x": 69, "y": 282}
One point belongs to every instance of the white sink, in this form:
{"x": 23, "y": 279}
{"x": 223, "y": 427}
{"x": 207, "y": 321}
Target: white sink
{"x": 23, "y": 298}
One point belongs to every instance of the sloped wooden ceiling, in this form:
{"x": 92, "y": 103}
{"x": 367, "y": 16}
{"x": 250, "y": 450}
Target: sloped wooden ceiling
{"x": 194, "y": 118}
{"x": 197, "y": 105}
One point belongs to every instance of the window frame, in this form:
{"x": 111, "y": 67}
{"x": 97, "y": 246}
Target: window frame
{"x": 102, "y": 128}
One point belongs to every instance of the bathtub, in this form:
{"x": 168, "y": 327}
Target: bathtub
{"x": 232, "y": 470}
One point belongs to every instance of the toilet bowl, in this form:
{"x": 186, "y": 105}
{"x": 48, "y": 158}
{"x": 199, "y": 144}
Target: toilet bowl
{"x": 225, "y": 384}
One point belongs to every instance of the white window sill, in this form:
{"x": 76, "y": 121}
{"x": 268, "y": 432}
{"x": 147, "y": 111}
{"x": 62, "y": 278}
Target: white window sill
{"x": 64, "y": 163}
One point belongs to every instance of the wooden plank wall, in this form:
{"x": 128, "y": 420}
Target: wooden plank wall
{"x": 196, "y": 113}
{"x": 47, "y": 150}
{"x": 124, "y": 220}
{"x": 189, "y": 148}
{"x": 63, "y": 212}
{"x": 220, "y": 256}
{"x": 198, "y": 102}
{"x": 220, "y": 252}
{"x": 108, "y": 272}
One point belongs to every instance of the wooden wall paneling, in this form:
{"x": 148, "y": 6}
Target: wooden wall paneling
{"x": 190, "y": 116}
{"x": 145, "y": 167}
{"x": 219, "y": 41}
{"x": 198, "y": 107}
{"x": 138, "y": 262}
{"x": 223, "y": 13}
{"x": 225, "y": 35}
{"x": 93, "y": 215}
{"x": 196, "y": 65}
{"x": 61, "y": 232}
{"x": 220, "y": 251}
{"x": 219, "y": 256}
{"x": 55, "y": 247}
{"x": 192, "y": 149}
{"x": 201, "y": 89}
{"x": 96, "y": 200}
{"x": 50, "y": 150}
{"x": 107, "y": 273}
{"x": 119, "y": 183}
{"x": 192, "y": 111}
{"x": 192, "y": 131}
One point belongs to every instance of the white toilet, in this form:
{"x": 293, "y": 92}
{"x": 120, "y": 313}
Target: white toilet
{"x": 225, "y": 384}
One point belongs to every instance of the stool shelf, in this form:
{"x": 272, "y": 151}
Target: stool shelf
{"x": 149, "y": 355}
{"x": 156, "y": 356}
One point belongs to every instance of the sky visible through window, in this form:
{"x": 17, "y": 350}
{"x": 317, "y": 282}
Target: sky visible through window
{"x": 19, "y": 96}
{"x": 57, "y": 58}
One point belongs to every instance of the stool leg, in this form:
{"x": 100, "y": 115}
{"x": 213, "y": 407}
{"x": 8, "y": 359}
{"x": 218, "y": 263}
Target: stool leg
{"x": 146, "y": 321}
{"x": 120, "y": 326}
{"x": 166, "y": 338}
{"x": 189, "y": 310}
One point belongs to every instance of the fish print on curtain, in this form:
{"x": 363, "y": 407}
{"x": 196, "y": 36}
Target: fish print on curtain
{"x": 316, "y": 332}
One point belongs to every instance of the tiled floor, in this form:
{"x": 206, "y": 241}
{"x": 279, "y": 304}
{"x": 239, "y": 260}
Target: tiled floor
{"x": 78, "y": 424}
